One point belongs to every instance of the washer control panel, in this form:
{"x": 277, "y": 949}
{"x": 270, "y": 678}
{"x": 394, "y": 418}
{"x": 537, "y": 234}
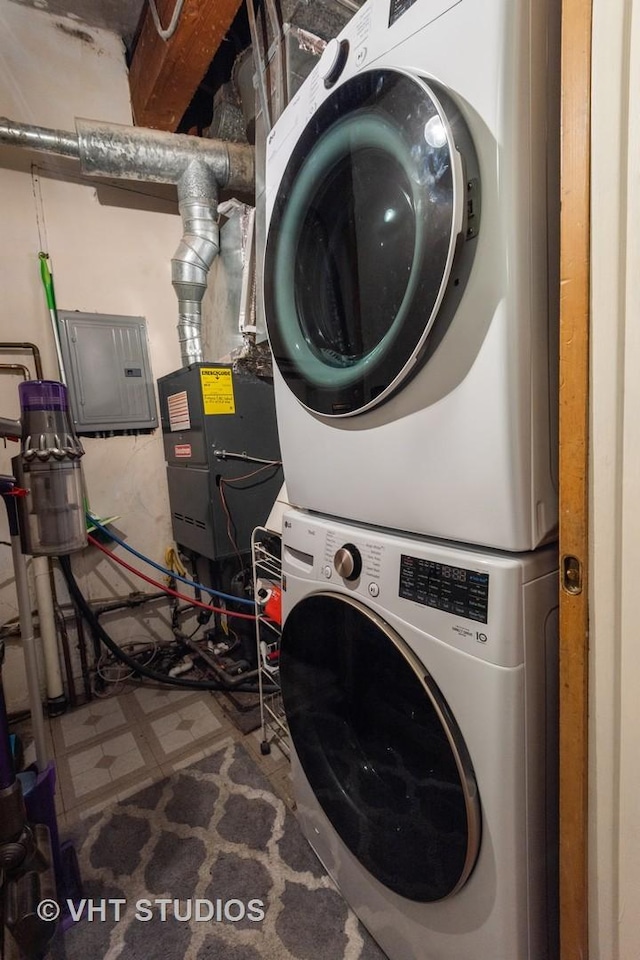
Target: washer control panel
{"x": 452, "y": 589}
{"x": 468, "y": 598}
{"x": 356, "y": 563}
{"x": 348, "y": 561}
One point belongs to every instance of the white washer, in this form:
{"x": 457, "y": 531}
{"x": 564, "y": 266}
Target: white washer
{"x": 420, "y": 686}
{"x": 406, "y": 273}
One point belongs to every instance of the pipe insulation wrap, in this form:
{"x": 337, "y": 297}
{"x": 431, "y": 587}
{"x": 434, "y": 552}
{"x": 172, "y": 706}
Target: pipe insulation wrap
{"x": 136, "y": 153}
{"x": 42, "y": 139}
{"x": 139, "y": 153}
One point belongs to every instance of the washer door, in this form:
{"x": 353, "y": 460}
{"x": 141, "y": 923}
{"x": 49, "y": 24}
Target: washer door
{"x": 367, "y": 240}
{"x": 379, "y": 747}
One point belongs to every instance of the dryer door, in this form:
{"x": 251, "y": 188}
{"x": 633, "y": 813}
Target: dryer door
{"x": 380, "y": 748}
{"x": 370, "y": 240}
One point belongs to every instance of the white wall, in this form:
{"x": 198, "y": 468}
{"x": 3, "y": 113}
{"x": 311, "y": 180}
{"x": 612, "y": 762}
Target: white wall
{"x": 614, "y": 773}
{"x": 104, "y": 259}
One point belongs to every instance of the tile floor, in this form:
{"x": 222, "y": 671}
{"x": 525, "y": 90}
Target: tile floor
{"x": 109, "y": 748}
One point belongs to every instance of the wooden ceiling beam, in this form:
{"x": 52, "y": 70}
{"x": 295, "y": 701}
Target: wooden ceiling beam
{"x": 164, "y": 75}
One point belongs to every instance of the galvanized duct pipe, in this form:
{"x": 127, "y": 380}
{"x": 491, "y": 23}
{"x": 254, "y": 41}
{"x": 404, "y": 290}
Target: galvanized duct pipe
{"x": 41, "y": 139}
{"x": 197, "y": 166}
{"x": 200, "y": 244}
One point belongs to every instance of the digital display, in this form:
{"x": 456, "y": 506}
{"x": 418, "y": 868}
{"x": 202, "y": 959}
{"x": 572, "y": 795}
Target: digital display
{"x": 454, "y": 573}
{"x": 464, "y": 593}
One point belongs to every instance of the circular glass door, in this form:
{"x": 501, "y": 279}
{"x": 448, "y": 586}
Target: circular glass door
{"x": 367, "y": 240}
{"x": 379, "y": 747}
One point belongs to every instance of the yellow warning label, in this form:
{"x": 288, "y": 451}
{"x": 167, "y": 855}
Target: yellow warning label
{"x": 217, "y": 390}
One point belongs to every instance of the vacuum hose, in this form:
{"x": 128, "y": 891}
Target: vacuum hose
{"x": 101, "y": 634}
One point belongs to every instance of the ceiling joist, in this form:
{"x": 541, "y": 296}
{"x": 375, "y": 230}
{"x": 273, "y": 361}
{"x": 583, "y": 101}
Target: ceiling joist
{"x": 164, "y": 75}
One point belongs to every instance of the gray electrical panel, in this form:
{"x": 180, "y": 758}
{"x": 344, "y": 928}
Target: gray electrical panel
{"x": 109, "y": 378}
{"x": 223, "y": 456}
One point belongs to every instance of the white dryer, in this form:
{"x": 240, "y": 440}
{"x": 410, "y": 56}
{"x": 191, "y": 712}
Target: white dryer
{"x": 420, "y": 687}
{"x": 407, "y": 292}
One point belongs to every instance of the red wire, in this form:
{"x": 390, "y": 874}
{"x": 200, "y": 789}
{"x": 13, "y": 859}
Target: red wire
{"x": 161, "y": 586}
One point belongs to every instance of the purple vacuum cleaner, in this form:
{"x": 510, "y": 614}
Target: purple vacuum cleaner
{"x": 44, "y": 501}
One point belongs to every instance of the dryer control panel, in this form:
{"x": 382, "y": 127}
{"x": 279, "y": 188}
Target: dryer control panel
{"x": 453, "y": 589}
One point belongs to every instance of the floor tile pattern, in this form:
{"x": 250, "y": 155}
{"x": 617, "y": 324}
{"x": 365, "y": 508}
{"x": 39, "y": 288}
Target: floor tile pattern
{"x": 109, "y": 748}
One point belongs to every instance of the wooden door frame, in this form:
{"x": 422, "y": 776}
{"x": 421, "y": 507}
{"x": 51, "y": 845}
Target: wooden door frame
{"x": 574, "y": 448}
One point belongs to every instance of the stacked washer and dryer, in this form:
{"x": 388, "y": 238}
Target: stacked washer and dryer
{"x": 411, "y": 190}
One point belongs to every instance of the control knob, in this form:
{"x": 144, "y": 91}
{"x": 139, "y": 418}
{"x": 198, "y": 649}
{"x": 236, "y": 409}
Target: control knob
{"x": 348, "y": 561}
{"x": 333, "y": 61}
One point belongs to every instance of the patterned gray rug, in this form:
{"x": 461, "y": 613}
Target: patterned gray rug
{"x": 210, "y": 865}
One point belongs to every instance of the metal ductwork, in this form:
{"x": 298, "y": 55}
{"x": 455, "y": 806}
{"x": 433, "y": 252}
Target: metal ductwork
{"x": 198, "y": 167}
{"x": 198, "y": 205}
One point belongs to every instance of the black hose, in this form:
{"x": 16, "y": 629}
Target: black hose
{"x": 100, "y": 634}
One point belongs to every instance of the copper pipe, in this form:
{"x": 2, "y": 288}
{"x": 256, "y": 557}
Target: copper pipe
{"x": 16, "y": 368}
{"x": 29, "y": 347}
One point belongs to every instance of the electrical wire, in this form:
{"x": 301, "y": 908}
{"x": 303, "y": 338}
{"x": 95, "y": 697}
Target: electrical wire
{"x": 106, "y": 661}
{"x": 173, "y": 23}
{"x": 230, "y": 524}
{"x": 229, "y": 481}
{"x": 173, "y": 562}
{"x": 248, "y": 476}
{"x": 101, "y": 634}
{"x": 191, "y": 635}
{"x": 168, "y": 590}
{"x": 158, "y": 566}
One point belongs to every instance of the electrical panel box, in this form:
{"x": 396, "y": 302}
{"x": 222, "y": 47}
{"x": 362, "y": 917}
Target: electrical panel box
{"x": 223, "y": 456}
{"x": 109, "y": 378}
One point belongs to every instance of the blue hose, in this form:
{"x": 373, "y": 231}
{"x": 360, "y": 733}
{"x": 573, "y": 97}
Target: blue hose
{"x": 169, "y": 573}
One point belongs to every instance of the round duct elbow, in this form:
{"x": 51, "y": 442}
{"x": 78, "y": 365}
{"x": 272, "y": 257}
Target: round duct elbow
{"x": 190, "y": 265}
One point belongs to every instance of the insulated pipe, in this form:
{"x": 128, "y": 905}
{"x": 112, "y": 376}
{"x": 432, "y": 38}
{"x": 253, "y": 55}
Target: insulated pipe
{"x": 42, "y": 139}
{"x": 137, "y": 153}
